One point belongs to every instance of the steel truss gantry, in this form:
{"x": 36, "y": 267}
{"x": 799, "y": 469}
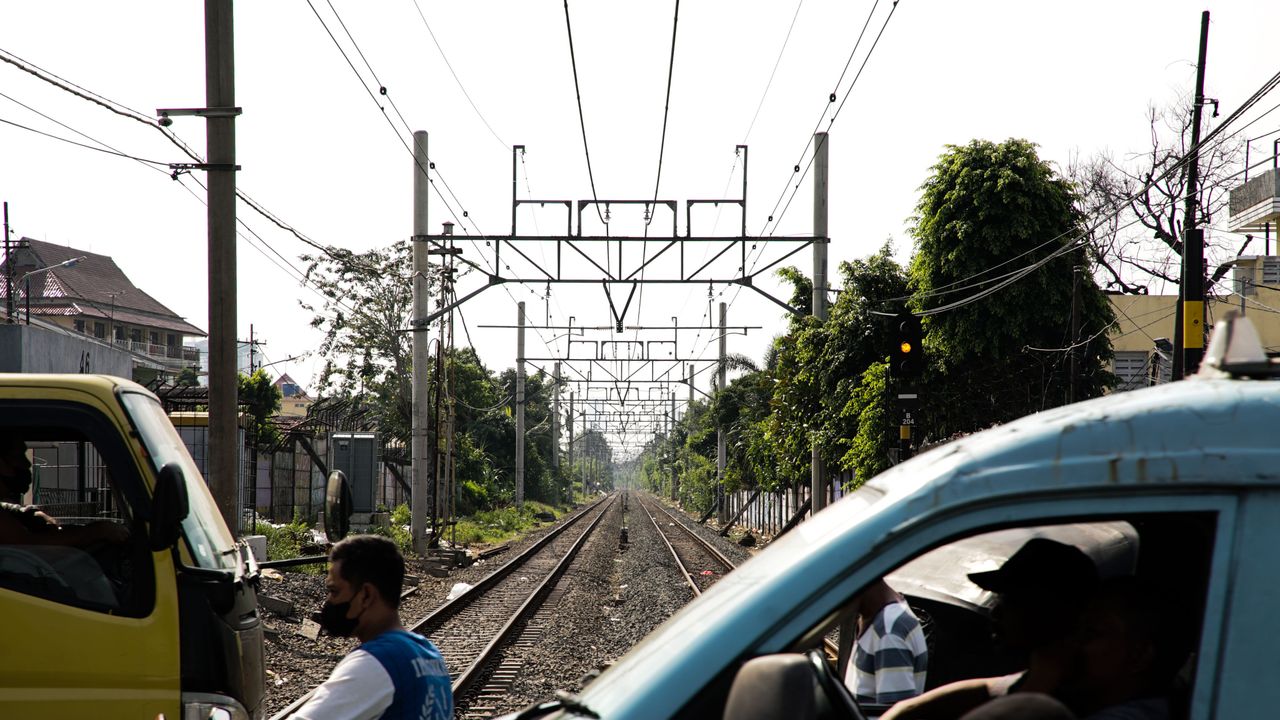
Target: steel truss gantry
{"x": 577, "y": 257}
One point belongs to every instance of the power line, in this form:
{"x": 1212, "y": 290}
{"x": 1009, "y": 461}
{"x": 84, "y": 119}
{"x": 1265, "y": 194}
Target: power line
{"x": 666, "y": 110}
{"x": 832, "y": 121}
{"x": 774, "y": 72}
{"x": 456, "y": 79}
{"x": 155, "y": 166}
{"x": 830, "y": 99}
{"x": 582, "y": 122}
{"x": 82, "y": 145}
{"x": 382, "y": 90}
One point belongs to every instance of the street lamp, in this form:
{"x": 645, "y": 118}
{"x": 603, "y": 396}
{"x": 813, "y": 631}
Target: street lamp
{"x": 26, "y": 278}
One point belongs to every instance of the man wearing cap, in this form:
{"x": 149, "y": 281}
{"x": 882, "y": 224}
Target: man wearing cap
{"x": 1042, "y": 589}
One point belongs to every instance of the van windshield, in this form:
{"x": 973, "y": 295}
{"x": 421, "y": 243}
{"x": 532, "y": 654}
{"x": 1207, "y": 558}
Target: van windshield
{"x": 208, "y": 539}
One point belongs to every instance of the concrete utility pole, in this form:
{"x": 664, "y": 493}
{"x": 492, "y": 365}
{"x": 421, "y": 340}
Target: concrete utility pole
{"x": 570, "y": 423}
{"x": 689, "y": 369}
{"x": 220, "y": 128}
{"x": 520, "y": 405}
{"x": 555, "y": 419}
{"x": 1193, "y": 237}
{"x": 421, "y": 499}
{"x": 722, "y": 512}
{"x": 675, "y": 480}
{"x": 821, "y": 143}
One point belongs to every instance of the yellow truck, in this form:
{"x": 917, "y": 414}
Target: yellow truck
{"x": 122, "y": 592}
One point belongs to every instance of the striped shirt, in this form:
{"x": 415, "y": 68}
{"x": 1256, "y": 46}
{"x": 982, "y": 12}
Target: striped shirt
{"x": 890, "y": 658}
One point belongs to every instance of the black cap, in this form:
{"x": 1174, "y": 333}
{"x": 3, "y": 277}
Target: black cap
{"x": 1043, "y": 566}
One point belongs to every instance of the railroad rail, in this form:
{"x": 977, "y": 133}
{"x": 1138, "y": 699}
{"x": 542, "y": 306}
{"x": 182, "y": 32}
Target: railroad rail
{"x": 472, "y": 629}
{"x": 691, "y": 551}
{"x": 697, "y": 580}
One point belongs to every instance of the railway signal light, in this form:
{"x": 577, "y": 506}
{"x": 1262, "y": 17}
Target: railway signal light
{"x": 907, "y": 358}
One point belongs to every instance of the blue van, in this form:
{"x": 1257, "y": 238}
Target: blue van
{"x": 1178, "y": 483}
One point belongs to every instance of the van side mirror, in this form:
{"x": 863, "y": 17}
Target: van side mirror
{"x": 169, "y": 507}
{"x": 337, "y": 506}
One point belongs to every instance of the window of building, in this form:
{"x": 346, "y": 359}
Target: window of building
{"x": 119, "y": 332}
{"x": 135, "y": 335}
{"x": 79, "y": 325}
{"x": 99, "y": 330}
{"x": 171, "y": 340}
{"x": 155, "y": 338}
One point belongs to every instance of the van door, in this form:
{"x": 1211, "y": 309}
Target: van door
{"x": 1186, "y": 548}
{"x": 91, "y": 613}
{"x": 1250, "y": 661}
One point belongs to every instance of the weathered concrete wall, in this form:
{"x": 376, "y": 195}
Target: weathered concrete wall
{"x": 31, "y": 349}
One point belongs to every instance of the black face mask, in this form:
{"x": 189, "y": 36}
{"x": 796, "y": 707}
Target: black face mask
{"x": 334, "y": 620}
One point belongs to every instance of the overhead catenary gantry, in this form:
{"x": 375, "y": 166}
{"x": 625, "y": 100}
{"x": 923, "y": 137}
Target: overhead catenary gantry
{"x": 620, "y": 265}
{"x": 615, "y": 262}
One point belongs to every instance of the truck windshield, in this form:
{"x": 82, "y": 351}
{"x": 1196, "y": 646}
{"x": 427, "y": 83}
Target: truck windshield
{"x": 208, "y": 539}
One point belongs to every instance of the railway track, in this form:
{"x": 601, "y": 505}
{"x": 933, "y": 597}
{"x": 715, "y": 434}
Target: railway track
{"x": 701, "y": 563}
{"x": 500, "y": 612}
{"x": 692, "y": 551}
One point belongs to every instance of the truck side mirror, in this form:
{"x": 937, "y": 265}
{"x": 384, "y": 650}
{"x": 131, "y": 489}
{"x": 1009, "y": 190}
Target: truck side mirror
{"x": 337, "y": 506}
{"x": 169, "y": 507}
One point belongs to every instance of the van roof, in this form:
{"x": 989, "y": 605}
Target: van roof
{"x": 1203, "y": 431}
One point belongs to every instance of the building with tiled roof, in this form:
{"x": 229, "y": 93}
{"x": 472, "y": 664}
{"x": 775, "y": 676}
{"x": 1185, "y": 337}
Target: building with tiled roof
{"x": 294, "y": 400}
{"x": 93, "y": 296}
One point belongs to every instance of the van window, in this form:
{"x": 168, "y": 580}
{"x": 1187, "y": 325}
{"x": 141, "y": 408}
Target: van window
{"x": 68, "y": 531}
{"x": 1069, "y": 601}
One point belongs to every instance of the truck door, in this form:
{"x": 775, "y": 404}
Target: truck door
{"x": 91, "y": 616}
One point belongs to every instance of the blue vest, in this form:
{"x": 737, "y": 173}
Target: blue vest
{"x": 423, "y": 690}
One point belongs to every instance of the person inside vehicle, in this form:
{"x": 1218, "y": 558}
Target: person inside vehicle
{"x": 393, "y": 673}
{"x": 890, "y": 656}
{"x": 1130, "y": 646}
{"x": 27, "y": 525}
{"x": 1042, "y": 590}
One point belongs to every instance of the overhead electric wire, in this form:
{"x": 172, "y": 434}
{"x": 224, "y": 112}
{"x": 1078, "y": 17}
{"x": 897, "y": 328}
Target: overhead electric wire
{"x": 774, "y": 72}
{"x": 156, "y": 166}
{"x": 832, "y": 121}
{"x": 758, "y": 254}
{"x": 114, "y": 106}
{"x": 374, "y": 98}
{"x": 831, "y": 98}
{"x": 456, "y": 79}
{"x": 666, "y": 111}
{"x": 424, "y": 170}
{"x": 582, "y": 121}
{"x": 83, "y": 145}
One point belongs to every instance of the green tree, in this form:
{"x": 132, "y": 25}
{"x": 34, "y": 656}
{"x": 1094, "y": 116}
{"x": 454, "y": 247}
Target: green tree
{"x": 262, "y": 399}
{"x": 368, "y": 299}
{"x": 986, "y": 211}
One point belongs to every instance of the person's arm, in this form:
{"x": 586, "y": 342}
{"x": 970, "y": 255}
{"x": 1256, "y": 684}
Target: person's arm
{"x": 359, "y": 688}
{"x": 16, "y": 530}
{"x": 946, "y": 702}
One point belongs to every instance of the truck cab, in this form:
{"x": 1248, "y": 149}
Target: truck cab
{"x": 1176, "y": 486}
{"x": 124, "y": 593}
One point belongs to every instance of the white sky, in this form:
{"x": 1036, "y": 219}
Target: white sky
{"x": 316, "y": 151}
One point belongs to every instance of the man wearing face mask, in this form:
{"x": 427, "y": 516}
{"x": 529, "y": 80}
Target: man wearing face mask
{"x": 393, "y": 674}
